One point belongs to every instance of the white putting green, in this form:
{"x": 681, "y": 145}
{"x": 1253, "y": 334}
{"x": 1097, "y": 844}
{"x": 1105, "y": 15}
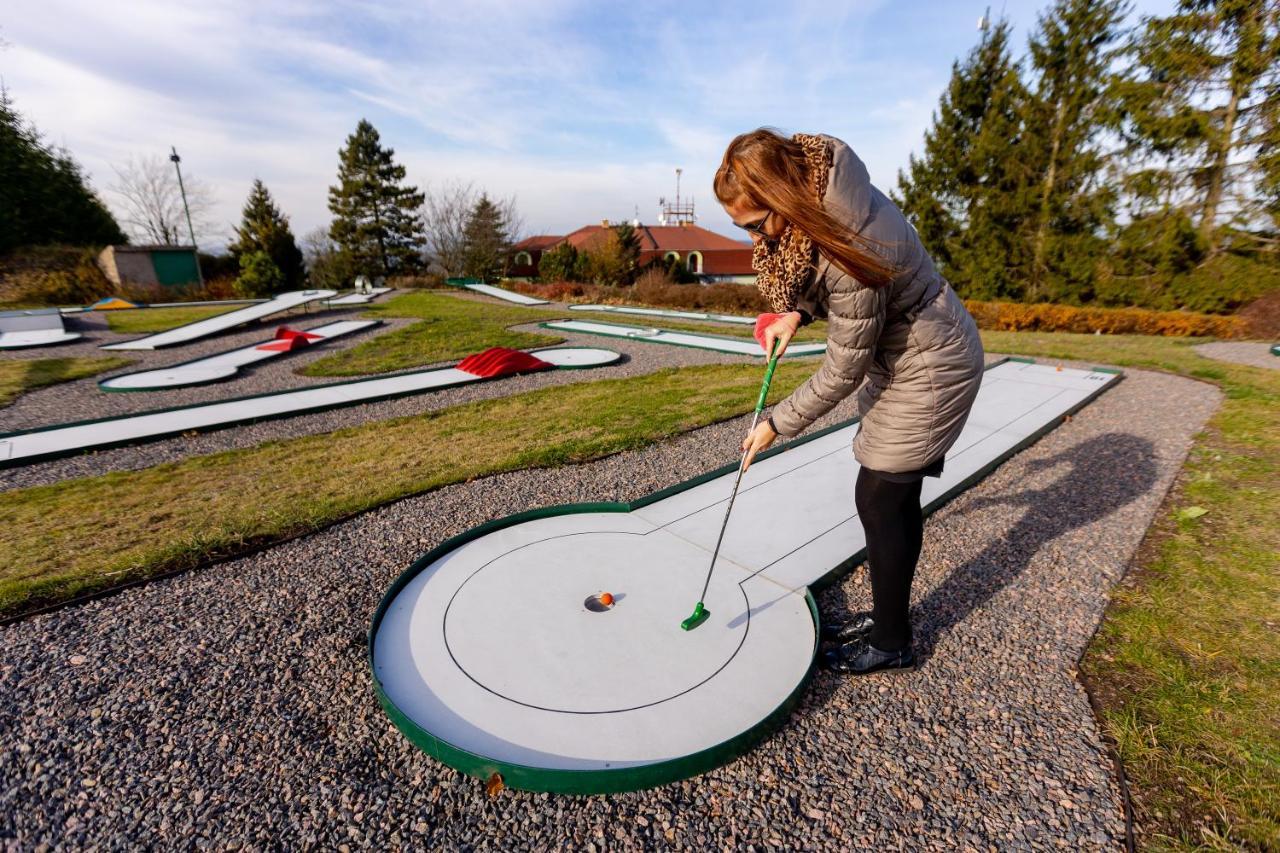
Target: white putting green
{"x": 38, "y": 327}
{"x": 486, "y": 654}
{"x": 223, "y": 365}
{"x": 662, "y": 312}
{"x": 508, "y": 295}
{"x": 357, "y": 298}
{"x": 222, "y": 322}
{"x": 23, "y": 447}
{"x": 715, "y": 343}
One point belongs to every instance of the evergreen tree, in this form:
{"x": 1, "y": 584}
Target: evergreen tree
{"x": 376, "y": 221}
{"x": 967, "y": 195}
{"x": 264, "y": 228}
{"x": 44, "y": 197}
{"x": 628, "y": 252}
{"x": 1198, "y": 100}
{"x": 1071, "y": 53}
{"x": 561, "y": 263}
{"x": 485, "y": 241}
{"x": 259, "y": 276}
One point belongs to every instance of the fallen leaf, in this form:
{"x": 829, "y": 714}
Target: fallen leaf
{"x": 495, "y": 785}
{"x": 1191, "y": 513}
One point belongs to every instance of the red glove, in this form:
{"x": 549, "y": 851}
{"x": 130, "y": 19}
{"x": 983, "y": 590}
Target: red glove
{"x": 763, "y": 322}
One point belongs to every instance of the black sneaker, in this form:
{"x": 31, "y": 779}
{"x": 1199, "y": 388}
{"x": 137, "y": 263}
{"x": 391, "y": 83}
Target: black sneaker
{"x": 856, "y": 628}
{"x": 860, "y": 658}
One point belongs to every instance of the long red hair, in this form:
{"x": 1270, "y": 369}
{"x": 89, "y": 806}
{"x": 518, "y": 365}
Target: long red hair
{"x": 769, "y": 171}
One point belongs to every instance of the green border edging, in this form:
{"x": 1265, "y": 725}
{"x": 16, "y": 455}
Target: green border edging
{"x": 547, "y": 325}
{"x": 560, "y": 781}
{"x": 651, "y": 775}
{"x": 374, "y": 325}
{"x": 44, "y": 457}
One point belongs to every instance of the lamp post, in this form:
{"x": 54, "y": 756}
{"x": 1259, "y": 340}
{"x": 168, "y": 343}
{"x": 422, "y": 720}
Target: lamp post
{"x": 190, "y": 230}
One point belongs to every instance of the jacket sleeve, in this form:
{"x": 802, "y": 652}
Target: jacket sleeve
{"x": 856, "y": 315}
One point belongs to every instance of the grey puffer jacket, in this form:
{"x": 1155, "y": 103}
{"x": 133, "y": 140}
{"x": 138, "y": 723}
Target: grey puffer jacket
{"x": 911, "y": 340}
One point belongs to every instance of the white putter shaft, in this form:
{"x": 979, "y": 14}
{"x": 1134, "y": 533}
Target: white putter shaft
{"x": 20, "y": 448}
{"x": 224, "y": 364}
{"x": 716, "y": 343}
{"x": 661, "y": 312}
{"x": 222, "y": 322}
{"x": 489, "y": 653}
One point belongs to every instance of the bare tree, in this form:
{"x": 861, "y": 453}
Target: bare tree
{"x": 447, "y": 211}
{"x": 148, "y": 193}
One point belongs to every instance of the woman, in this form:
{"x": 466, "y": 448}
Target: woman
{"x": 829, "y": 244}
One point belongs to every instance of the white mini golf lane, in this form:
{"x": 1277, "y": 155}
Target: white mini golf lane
{"x": 508, "y": 295}
{"x": 358, "y": 298}
{"x": 222, "y": 322}
{"x": 19, "y": 448}
{"x": 485, "y": 654}
{"x": 716, "y": 343}
{"x": 673, "y": 315}
{"x": 223, "y": 365}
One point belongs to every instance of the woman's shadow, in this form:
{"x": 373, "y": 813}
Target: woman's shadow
{"x": 1103, "y": 474}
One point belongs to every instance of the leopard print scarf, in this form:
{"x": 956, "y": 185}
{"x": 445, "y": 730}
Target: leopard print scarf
{"x": 783, "y": 266}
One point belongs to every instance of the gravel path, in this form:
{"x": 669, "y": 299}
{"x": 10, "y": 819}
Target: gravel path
{"x": 233, "y": 705}
{"x": 83, "y": 399}
{"x": 1251, "y": 353}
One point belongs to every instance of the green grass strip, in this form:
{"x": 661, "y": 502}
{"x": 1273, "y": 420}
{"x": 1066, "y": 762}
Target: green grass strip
{"x": 148, "y": 321}
{"x": 1186, "y": 666}
{"x": 17, "y": 377}
{"x": 74, "y": 537}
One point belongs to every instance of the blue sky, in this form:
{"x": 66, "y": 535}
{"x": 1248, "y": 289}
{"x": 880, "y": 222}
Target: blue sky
{"x": 581, "y": 110}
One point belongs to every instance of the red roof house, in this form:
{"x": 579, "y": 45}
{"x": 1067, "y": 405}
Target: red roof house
{"x": 708, "y": 255}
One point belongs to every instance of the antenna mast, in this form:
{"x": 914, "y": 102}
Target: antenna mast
{"x": 677, "y": 213}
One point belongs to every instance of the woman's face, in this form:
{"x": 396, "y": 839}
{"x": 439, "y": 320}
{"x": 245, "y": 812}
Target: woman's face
{"x": 760, "y": 223}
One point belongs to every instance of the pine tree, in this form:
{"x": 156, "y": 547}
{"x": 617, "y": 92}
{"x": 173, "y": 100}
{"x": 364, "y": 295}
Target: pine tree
{"x": 44, "y": 196}
{"x": 259, "y": 276}
{"x": 561, "y": 263}
{"x": 264, "y": 228}
{"x": 1198, "y": 100}
{"x": 376, "y": 220}
{"x": 967, "y": 195}
{"x": 485, "y": 241}
{"x": 1071, "y": 54}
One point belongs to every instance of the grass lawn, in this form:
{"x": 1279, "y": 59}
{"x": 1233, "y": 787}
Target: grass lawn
{"x": 148, "y": 321}
{"x": 19, "y": 377}
{"x": 451, "y": 328}
{"x": 1186, "y": 666}
{"x": 73, "y": 537}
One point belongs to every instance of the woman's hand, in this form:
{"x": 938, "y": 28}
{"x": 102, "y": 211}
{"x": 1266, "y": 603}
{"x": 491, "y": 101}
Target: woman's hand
{"x": 759, "y": 439}
{"x": 783, "y": 330}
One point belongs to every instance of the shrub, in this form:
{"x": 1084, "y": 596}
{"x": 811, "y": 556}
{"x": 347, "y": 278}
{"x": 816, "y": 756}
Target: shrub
{"x": 1045, "y": 317}
{"x": 259, "y": 275}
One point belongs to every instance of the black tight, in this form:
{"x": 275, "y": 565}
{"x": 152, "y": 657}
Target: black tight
{"x": 894, "y": 524}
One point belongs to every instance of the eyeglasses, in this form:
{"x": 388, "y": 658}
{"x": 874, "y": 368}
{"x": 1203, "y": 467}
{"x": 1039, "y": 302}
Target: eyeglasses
{"x": 757, "y": 227}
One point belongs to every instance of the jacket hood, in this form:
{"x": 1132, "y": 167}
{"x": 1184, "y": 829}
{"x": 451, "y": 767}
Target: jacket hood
{"x": 849, "y": 195}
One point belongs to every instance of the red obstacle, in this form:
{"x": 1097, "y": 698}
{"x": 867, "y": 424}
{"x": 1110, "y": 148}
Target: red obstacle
{"x": 288, "y": 340}
{"x": 500, "y": 361}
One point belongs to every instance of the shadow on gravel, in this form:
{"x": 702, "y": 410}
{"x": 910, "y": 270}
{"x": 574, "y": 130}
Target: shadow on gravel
{"x": 1103, "y": 474}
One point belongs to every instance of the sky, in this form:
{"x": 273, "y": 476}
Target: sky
{"x": 580, "y": 110}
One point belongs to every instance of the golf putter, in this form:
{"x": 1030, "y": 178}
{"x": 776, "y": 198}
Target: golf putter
{"x": 700, "y": 612}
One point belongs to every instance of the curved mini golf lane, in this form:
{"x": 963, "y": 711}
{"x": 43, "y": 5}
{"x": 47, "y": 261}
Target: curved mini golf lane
{"x": 716, "y": 343}
{"x": 224, "y": 365}
{"x": 662, "y": 312}
{"x": 222, "y": 322}
{"x": 25, "y": 446}
{"x": 486, "y": 656}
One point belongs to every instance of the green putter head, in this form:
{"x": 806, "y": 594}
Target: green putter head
{"x": 699, "y": 616}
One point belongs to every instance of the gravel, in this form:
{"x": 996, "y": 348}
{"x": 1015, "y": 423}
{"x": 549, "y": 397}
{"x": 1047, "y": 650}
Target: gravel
{"x": 1249, "y": 353}
{"x": 233, "y": 705}
{"x": 82, "y": 399}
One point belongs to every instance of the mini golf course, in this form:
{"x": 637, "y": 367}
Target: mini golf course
{"x": 673, "y": 315}
{"x": 547, "y": 648}
{"x": 225, "y": 365}
{"x": 223, "y": 322}
{"x": 26, "y": 446}
{"x": 39, "y": 327}
{"x": 715, "y": 343}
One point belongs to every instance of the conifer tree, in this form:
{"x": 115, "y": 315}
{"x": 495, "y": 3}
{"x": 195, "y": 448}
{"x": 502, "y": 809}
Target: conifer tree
{"x": 44, "y": 196}
{"x": 376, "y": 223}
{"x": 1198, "y": 100}
{"x": 263, "y": 228}
{"x": 967, "y": 195}
{"x": 485, "y": 241}
{"x": 1071, "y": 105}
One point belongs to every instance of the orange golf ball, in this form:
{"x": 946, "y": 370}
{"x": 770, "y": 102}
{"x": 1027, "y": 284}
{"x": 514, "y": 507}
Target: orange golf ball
{"x": 606, "y": 598}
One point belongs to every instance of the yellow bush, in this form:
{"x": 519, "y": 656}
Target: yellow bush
{"x": 1044, "y": 317}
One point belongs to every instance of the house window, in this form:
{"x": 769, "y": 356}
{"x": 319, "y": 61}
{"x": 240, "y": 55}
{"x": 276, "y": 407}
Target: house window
{"x": 694, "y": 263}
{"x": 524, "y": 259}
{"x": 666, "y": 259}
